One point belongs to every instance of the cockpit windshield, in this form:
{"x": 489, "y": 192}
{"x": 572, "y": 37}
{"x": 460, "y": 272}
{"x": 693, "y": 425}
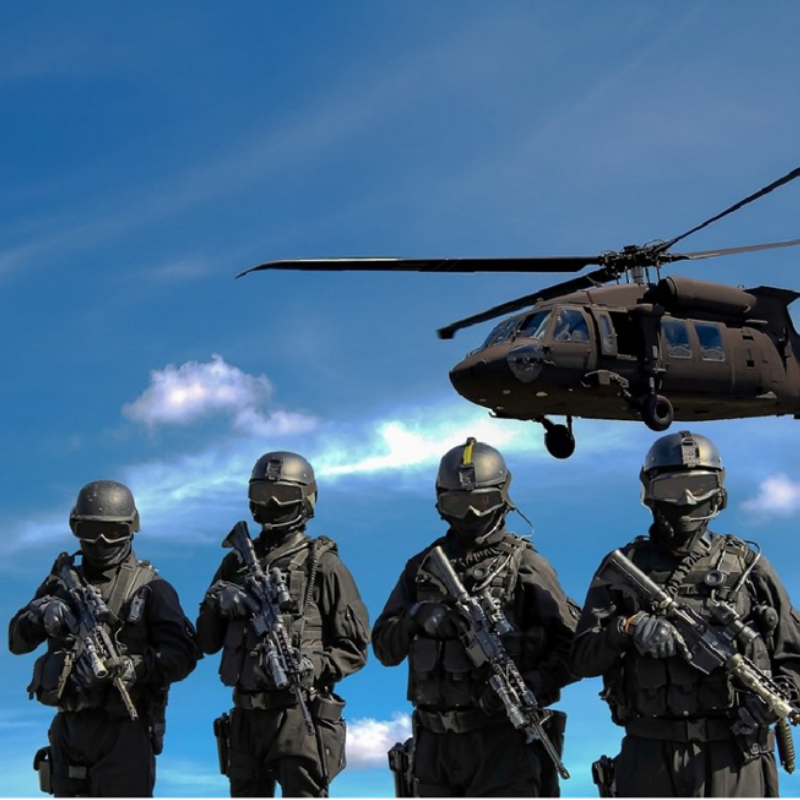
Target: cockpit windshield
{"x": 499, "y": 333}
{"x": 535, "y": 326}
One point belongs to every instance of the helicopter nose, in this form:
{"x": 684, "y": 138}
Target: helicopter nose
{"x": 479, "y": 379}
{"x": 526, "y": 362}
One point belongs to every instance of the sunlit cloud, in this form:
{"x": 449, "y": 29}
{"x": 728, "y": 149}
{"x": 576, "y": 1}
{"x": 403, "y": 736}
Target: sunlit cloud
{"x": 184, "y": 394}
{"x": 778, "y": 495}
{"x": 369, "y": 740}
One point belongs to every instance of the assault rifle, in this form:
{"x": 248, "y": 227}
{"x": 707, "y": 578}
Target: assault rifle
{"x": 267, "y": 596}
{"x": 92, "y": 639}
{"x": 709, "y": 647}
{"x": 487, "y": 623}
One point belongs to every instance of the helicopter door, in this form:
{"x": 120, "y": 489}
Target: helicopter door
{"x": 571, "y": 345}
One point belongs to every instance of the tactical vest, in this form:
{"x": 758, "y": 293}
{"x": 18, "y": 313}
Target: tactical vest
{"x": 441, "y": 675}
{"x": 126, "y": 599}
{"x": 646, "y": 687}
{"x": 241, "y": 665}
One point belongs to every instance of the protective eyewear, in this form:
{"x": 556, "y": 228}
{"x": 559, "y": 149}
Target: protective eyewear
{"x": 109, "y": 532}
{"x": 481, "y": 502}
{"x": 266, "y": 493}
{"x": 686, "y": 488}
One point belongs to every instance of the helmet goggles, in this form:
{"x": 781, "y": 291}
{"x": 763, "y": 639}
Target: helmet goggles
{"x": 684, "y": 488}
{"x": 266, "y": 493}
{"x": 91, "y": 531}
{"x": 480, "y": 502}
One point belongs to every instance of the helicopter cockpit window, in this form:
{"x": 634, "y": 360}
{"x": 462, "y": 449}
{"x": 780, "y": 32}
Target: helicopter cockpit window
{"x": 570, "y": 327}
{"x": 535, "y": 326}
{"x": 710, "y": 338}
{"x": 500, "y": 332}
{"x": 676, "y": 338}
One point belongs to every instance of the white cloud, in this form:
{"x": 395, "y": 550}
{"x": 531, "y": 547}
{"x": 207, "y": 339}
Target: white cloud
{"x": 183, "y": 394}
{"x": 778, "y": 496}
{"x": 180, "y": 395}
{"x": 369, "y": 740}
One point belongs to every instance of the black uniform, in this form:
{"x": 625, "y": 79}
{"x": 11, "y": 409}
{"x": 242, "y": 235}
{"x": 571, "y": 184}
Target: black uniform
{"x": 678, "y": 721}
{"x": 465, "y": 745}
{"x": 97, "y": 750}
{"x": 268, "y": 739}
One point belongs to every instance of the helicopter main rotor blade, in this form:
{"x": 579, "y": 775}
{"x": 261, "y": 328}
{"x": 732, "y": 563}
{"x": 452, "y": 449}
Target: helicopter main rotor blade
{"x": 730, "y": 251}
{"x": 511, "y": 264}
{"x": 588, "y": 281}
{"x": 790, "y": 176}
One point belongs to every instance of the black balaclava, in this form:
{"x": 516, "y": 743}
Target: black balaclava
{"x": 100, "y": 556}
{"x": 471, "y": 530}
{"x": 677, "y": 527}
{"x": 278, "y": 523}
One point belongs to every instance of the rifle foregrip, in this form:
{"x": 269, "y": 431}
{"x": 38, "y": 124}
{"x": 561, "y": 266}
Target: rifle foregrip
{"x": 446, "y": 573}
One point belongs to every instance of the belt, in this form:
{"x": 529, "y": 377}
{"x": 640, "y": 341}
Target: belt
{"x": 469, "y": 719}
{"x": 263, "y": 701}
{"x": 705, "y": 729}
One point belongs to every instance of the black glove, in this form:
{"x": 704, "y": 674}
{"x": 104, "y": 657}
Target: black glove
{"x": 232, "y": 601}
{"x": 437, "y": 620}
{"x": 55, "y": 616}
{"x": 655, "y": 636}
{"x": 754, "y": 713}
{"x": 84, "y": 675}
{"x": 490, "y": 702}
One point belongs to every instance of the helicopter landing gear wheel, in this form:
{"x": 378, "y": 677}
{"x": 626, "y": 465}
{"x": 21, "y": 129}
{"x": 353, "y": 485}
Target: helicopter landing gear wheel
{"x": 558, "y": 439}
{"x": 657, "y": 413}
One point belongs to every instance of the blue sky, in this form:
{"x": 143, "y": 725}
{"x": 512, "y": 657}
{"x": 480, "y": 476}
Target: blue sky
{"x": 152, "y": 152}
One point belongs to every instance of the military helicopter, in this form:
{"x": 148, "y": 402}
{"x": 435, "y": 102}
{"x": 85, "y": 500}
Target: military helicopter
{"x": 655, "y": 350}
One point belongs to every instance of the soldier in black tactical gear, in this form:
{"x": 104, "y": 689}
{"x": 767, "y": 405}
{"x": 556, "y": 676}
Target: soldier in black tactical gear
{"x": 465, "y": 744}
{"x": 265, "y": 738}
{"x": 688, "y": 734}
{"x": 109, "y": 726}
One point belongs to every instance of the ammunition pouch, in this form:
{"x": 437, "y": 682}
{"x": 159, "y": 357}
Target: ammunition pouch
{"x": 331, "y": 732}
{"x": 401, "y": 764}
{"x": 43, "y": 763}
{"x": 222, "y": 733}
{"x": 50, "y": 673}
{"x": 603, "y": 776}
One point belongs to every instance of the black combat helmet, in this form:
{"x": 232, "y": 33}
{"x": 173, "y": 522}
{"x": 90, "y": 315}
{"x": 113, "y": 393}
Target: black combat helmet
{"x": 472, "y": 476}
{"x": 104, "y": 508}
{"x": 279, "y": 482}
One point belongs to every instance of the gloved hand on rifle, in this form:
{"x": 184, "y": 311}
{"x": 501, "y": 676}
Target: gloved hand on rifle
{"x": 231, "y": 600}
{"x": 754, "y": 713}
{"x": 655, "y": 636}
{"x": 437, "y": 620}
{"x": 307, "y": 673}
{"x": 55, "y": 616}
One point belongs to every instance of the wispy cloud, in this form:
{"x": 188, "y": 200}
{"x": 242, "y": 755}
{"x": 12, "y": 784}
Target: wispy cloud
{"x": 778, "y": 495}
{"x": 369, "y": 740}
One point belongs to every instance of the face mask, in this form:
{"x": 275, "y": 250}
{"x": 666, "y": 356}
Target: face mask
{"x": 276, "y": 516}
{"x": 470, "y": 529}
{"x": 101, "y": 554}
{"x": 675, "y": 527}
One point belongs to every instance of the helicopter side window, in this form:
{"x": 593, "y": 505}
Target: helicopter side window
{"x": 608, "y": 338}
{"x": 676, "y": 338}
{"x": 535, "y": 326}
{"x": 710, "y": 338}
{"x": 500, "y": 333}
{"x": 570, "y": 327}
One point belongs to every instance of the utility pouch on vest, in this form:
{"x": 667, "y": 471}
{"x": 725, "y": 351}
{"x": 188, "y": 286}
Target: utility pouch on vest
{"x": 331, "y": 732}
{"x": 603, "y": 776}
{"x": 401, "y": 763}
{"x": 222, "y": 733}
{"x": 42, "y": 763}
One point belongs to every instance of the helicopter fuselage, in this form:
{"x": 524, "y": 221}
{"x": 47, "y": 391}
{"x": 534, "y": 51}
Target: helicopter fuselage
{"x": 714, "y": 351}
